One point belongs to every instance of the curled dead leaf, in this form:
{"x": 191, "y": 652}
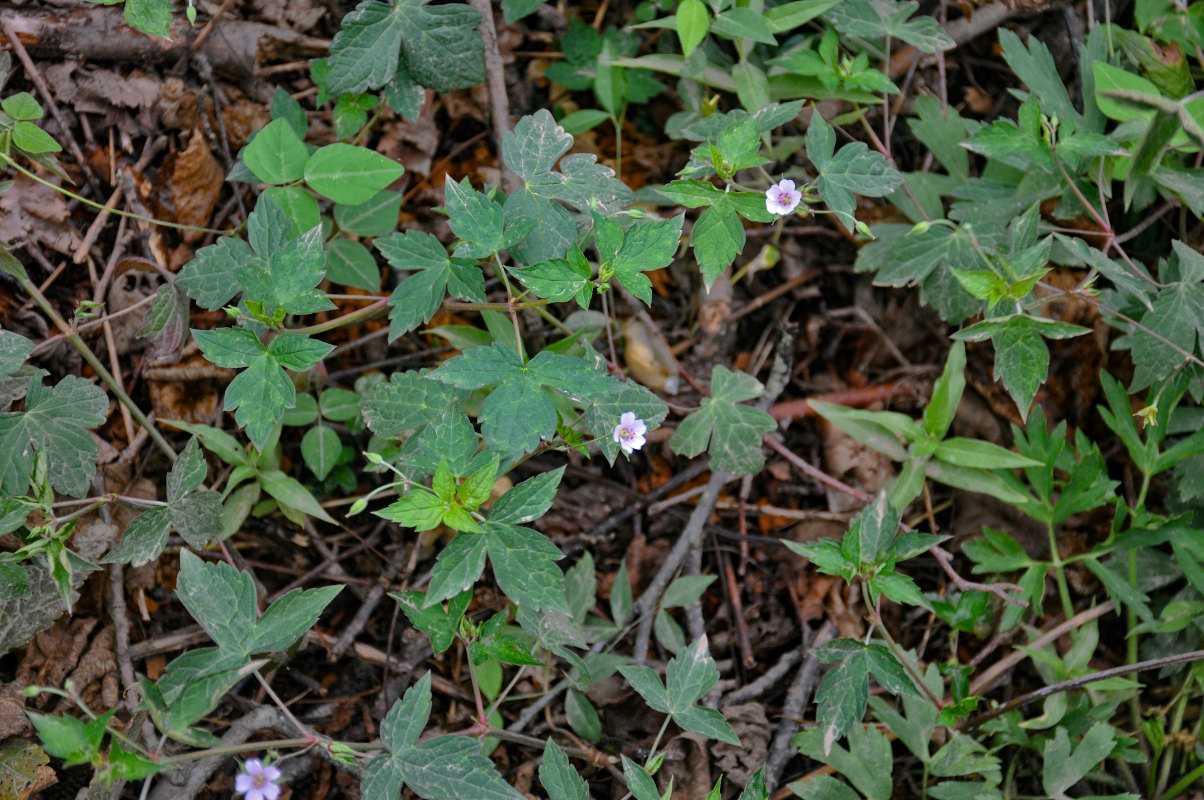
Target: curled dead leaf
{"x": 196, "y": 180}
{"x": 648, "y": 359}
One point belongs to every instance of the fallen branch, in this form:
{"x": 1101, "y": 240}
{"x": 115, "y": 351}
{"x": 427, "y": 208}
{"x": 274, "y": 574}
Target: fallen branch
{"x": 236, "y": 48}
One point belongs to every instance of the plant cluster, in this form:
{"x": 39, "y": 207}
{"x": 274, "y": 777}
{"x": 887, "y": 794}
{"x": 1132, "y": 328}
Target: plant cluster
{"x": 977, "y": 230}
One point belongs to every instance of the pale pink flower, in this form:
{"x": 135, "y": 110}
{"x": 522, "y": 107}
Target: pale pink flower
{"x": 258, "y": 782}
{"x": 782, "y": 198}
{"x": 629, "y": 433}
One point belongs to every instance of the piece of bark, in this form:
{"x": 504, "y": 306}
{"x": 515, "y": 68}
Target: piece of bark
{"x": 235, "y": 49}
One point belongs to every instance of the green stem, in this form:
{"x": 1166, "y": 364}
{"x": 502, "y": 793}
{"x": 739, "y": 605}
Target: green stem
{"x": 458, "y": 306}
{"x": 656, "y": 742}
{"x": 7, "y": 159}
{"x": 1059, "y": 572}
{"x": 1188, "y": 779}
{"x": 501, "y": 272}
{"x": 105, "y": 376}
{"x": 916, "y": 677}
{"x": 359, "y": 315}
{"x": 482, "y": 718}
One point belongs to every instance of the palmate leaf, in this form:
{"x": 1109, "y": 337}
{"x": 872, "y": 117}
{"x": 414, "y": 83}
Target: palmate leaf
{"x": 480, "y": 222}
{"x": 844, "y": 691}
{"x": 443, "y": 768}
{"x": 406, "y": 402}
{"x": 519, "y": 412}
{"x": 532, "y": 150}
{"x": 627, "y": 255}
{"x": 854, "y": 169}
{"x": 1021, "y": 355}
{"x": 524, "y": 565}
{"x": 14, "y": 349}
{"x": 418, "y": 297}
{"x": 54, "y": 425}
{"x": 438, "y": 45}
{"x": 729, "y": 431}
{"x": 289, "y": 276}
{"x": 260, "y": 393}
{"x": 196, "y": 515}
{"x": 689, "y": 676}
{"x": 222, "y": 600}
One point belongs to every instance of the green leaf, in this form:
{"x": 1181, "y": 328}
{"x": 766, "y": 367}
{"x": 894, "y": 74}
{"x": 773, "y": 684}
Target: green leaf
{"x": 582, "y": 716}
{"x": 418, "y": 509}
{"x": 1064, "y": 768}
{"x": 443, "y": 49}
{"x": 196, "y": 515}
{"x": 519, "y": 412}
{"x": 261, "y": 392}
{"x": 639, "y": 782}
{"x": 743, "y": 23}
{"x": 320, "y": 447}
{"x": 645, "y": 247}
{"x": 206, "y": 278}
{"x": 515, "y": 10}
{"x": 823, "y": 787}
{"x": 979, "y": 454}
{"x": 152, "y": 17}
{"x": 458, "y": 567}
{"x": 692, "y": 23}
{"x": 349, "y": 174}
{"x": 14, "y": 349}
{"x": 33, "y": 140}
{"x": 718, "y": 237}
{"x": 869, "y": 537}
{"x": 524, "y": 565}
{"x": 685, "y": 589}
{"x": 733, "y": 431}
{"x": 559, "y": 279}
{"x": 1035, "y": 66}
{"x": 376, "y": 216}
{"x": 339, "y": 405}
{"x": 842, "y": 695}
{"x": 689, "y": 676}
{"x": 276, "y": 155}
{"x": 418, "y": 297}
{"x": 288, "y": 619}
{"x": 437, "y": 622}
{"x": 22, "y": 106}
{"x": 220, "y": 598}
{"x": 854, "y": 169}
{"x": 946, "y": 393}
{"x": 558, "y": 777}
{"x": 289, "y": 277}
{"x": 291, "y": 495}
{"x": 407, "y": 401}
{"x": 866, "y": 763}
{"x": 1021, "y": 355}
{"x": 365, "y": 52}
{"x": 942, "y": 132}
{"x": 54, "y": 425}
{"x": 350, "y": 263}
{"x": 527, "y": 501}
{"x": 67, "y": 738}
{"x": 443, "y": 768}
{"x": 288, "y": 109}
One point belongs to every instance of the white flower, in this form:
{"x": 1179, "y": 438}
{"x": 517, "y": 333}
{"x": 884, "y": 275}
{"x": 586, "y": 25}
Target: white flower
{"x": 629, "y": 433}
{"x": 258, "y": 782}
{"x": 782, "y": 198}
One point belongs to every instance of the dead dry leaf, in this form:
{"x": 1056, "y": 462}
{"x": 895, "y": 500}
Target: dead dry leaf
{"x": 196, "y": 180}
{"x": 738, "y": 763}
{"x": 32, "y": 212}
